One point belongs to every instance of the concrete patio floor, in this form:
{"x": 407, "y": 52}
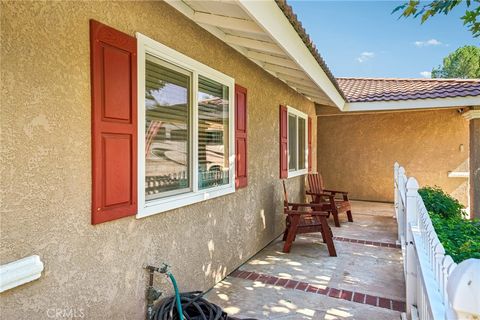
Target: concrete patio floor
{"x": 365, "y": 281}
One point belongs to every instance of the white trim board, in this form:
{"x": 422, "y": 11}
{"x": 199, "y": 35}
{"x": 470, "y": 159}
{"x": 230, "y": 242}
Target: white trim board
{"x": 412, "y": 104}
{"x": 373, "y": 112}
{"x": 472, "y": 114}
{"x": 19, "y": 272}
{"x": 458, "y": 174}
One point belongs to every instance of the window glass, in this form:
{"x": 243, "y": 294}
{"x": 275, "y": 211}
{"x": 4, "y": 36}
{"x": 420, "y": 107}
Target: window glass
{"x": 167, "y": 129}
{"x": 292, "y": 142}
{"x": 301, "y": 143}
{"x": 213, "y": 133}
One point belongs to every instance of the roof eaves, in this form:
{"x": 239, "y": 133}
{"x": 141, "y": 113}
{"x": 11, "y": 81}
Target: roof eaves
{"x": 297, "y": 25}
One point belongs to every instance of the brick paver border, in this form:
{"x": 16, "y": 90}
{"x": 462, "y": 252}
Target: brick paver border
{"x": 347, "y": 295}
{"x": 368, "y": 242}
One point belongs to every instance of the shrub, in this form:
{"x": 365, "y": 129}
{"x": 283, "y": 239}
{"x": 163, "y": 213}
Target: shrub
{"x": 459, "y": 237}
{"x": 436, "y": 200}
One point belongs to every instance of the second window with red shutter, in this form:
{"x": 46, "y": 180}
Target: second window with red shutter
{"x": 294, "y": 143}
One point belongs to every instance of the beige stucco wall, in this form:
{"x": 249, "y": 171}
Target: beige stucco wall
{"x": 357, "y": 152}
{"x": 46, "y": 167}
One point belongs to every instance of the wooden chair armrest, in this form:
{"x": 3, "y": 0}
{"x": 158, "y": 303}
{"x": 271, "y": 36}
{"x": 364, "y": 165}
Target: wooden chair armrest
{"x": 305, "y": 205}
{"x": 319, "y": 194}
{"x": 335, "y": 191}
{"x": 325, "y": 194}
{"x": 308, "y": 213}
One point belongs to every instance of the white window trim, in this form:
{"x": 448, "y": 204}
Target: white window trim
{"x": 148, "y": 208}
{"x": 299, "y": 114}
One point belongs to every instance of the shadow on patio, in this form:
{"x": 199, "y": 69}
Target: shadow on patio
{"x": 365, "y": 281}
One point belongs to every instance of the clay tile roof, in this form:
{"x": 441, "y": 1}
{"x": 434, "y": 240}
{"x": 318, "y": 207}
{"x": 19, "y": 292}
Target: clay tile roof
{"x": 374, "y": 89}
{"x": 297, "y": 25}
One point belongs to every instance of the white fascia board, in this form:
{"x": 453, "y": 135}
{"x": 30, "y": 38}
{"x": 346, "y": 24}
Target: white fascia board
{"x": 271, "y": 18}
{"x": 412, "y": 104}
{"x": 182, "y": 7}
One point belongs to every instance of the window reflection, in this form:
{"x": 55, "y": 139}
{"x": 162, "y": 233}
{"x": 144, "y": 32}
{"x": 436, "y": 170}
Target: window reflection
{"x": 167, "y": 129}
{"x": 213, "y": 133}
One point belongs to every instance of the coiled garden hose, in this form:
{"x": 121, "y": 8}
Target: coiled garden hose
{"x": 187, "y": 305}
{"x": 193, "y": 307}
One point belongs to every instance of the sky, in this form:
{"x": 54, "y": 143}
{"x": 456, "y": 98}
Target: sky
{"x": 363, "y": 38}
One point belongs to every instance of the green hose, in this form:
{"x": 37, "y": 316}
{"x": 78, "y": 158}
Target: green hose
{"x": 177, "y": 295}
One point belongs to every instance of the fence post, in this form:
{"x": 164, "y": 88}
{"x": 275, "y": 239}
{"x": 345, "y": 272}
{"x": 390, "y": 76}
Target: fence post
{"x": 395, "y": 200}
{"x": 463, "y": 290}
{"x": 447, "y": 267}
{"x": 411, "y": 214}
{"x": 401, "y": 208}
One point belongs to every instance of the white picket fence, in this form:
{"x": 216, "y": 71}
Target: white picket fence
{"x": 436, "y": 287}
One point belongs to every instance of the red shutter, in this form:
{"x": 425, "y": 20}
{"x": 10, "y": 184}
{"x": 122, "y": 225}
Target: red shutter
{"x": 283, "y": 143}
{"x": 240, "y": 137}
{"x": 114, "y": 123}
{"x": 310, "y": 151}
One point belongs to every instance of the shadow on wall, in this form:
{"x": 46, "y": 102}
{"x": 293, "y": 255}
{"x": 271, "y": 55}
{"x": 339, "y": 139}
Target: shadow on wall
{"x": 268, "y": 217}
{"x": 360, "y": 157}
{"x": 460, "y": 190}
{"x": 452, "y": 181}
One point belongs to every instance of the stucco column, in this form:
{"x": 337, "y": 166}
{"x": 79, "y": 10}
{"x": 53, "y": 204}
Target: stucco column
{"x": 473, "y": 116}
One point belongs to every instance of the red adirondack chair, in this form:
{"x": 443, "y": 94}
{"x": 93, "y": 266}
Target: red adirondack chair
{"x": 327, "y": 197}
{"x": 306, "y": 218}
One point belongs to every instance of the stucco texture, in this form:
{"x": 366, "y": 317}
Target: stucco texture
{"x": 96, "y": 271}
{"x": 356, "y": 153}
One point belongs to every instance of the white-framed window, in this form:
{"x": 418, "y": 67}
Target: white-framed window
{"x": 185, "y": 130}
{"x": 297, "y": 123}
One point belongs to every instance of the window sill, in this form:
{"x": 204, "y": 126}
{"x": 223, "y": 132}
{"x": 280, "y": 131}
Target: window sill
{"x": 166, "y": 204}
{"x": 292, "y": 174}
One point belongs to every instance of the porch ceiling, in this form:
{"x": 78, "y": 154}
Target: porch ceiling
{"x": 261, "y": 32}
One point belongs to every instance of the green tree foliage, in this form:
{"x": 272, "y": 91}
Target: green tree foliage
{"x": 463, "y": 63}
{"x": 459, "y": 237}
{"x": 426, "y": 10}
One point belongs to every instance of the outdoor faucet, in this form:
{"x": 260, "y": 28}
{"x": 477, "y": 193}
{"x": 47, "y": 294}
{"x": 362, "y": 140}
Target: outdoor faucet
{"x": 152, "y": 293}
{"x": 162, "y": 269}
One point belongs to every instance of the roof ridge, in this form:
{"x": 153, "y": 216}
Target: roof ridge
{"x": 410, "y": 79}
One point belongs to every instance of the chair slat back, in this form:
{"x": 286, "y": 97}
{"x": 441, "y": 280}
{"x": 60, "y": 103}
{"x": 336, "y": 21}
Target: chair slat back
{"x": 315, "y": 183}
{"x": 320, "y": 182}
